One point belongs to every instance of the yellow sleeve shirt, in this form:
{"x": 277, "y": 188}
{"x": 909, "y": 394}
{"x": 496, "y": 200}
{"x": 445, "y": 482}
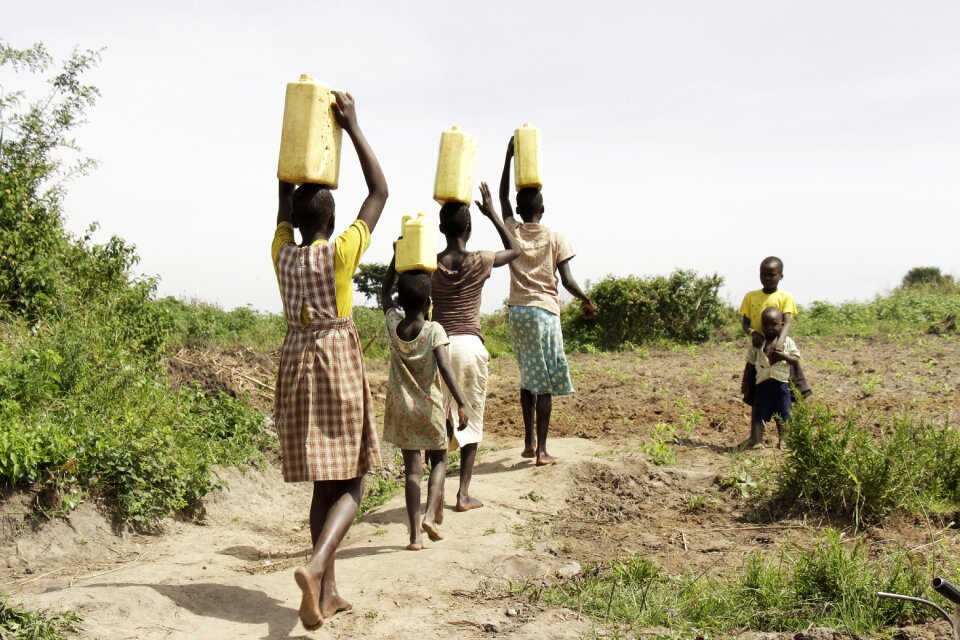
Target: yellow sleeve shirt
{"x": 350, "y": 246}
{"x": 756, "y": 301}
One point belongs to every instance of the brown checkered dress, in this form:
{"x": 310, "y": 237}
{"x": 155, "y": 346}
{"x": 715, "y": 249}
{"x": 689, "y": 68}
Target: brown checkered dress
{"x": 323, "y": 407}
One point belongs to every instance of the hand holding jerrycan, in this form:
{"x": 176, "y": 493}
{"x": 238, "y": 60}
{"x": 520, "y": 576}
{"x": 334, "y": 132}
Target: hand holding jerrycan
{"x": 455, "y": 167}
{"x": 527, "y": 161}
{"x": 417, "y": 248}
{"x": 311, "y": 137}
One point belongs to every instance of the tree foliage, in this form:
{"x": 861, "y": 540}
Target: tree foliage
{"x": 931, "y": 276}
{"x": 681, "y": 307}
{"x": 369, "y": 278}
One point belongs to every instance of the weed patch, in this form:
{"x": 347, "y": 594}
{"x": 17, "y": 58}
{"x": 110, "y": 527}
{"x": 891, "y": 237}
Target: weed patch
{"x": 834, "y": 466}
{"x": 832, "y": 584}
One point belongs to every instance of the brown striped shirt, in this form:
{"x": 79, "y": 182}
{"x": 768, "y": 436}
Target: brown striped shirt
{"x": 456, "y": 294}
{"x": 533, "y": 275}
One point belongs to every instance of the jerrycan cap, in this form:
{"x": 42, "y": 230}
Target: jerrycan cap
{"x": 306, "y": 77}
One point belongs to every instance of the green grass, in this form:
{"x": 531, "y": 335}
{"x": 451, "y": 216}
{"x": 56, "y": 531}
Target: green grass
{"x": 836, "y": 466}
{"x": 378, "y": 491}
{"x": 16, "y": 622}
{"x": 833, "y": 583}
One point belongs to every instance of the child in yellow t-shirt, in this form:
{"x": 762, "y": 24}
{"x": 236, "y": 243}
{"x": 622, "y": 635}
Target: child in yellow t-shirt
{"x": 753, "y": 305}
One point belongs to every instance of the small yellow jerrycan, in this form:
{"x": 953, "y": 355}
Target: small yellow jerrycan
{"x": 455, "y": 167}
{"x": 310, "y": 141}
{"x": 417, "y": 249}
{"x": 527, "y": 165}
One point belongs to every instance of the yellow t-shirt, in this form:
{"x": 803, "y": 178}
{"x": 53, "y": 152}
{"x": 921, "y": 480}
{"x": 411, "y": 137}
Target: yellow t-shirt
{"x": 756, "y": 301}
{"x": 350, "y": 246}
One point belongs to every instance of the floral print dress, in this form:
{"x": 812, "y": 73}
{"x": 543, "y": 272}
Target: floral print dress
{"x": 414, "y": 417}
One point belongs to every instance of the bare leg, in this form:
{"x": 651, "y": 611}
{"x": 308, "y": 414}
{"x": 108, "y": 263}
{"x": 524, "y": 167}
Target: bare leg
{"x": 332, "y": 511}
{"x": 412, "y": 470}
{"x": 438, "y": 515}
{"x": 330, "y": 601}
{"x": 468, "y": 456}
{"x": 438, "y": 470}
{"x": 527, "y": 406}
{"x": 544, "y": 409}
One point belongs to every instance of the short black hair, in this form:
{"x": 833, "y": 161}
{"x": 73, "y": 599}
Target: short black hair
{"x": 771, "y": 312}
{"x": 529, "y": 200}
{"x": 413, "y": 290}
{"x": 773, "y": 260}
{"x": 313, "y": 205}
{"x": 454, "y": 218}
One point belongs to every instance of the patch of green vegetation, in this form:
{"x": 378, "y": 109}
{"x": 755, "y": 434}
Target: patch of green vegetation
{"x": 679, "y": 308}
{"x": 85, "y": 402}
{"x": 660, "y": 445}
{"x": 36, "y": 625}
{"x": 913, "y": 309}
{"x": 838, "y": 467}
{"x": 195, "y": 323}
{"x": 377, "y": 491}
{"x": 830, "y": 584}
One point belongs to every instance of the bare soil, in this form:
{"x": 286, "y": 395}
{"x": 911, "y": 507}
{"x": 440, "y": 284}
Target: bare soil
{"x": 230, "y": 574}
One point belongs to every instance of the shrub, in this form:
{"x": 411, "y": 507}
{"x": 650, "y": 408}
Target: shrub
{"x": 681, "y": 307}
{"x": 833, "y": 466}
{"x": 926, "y": 276}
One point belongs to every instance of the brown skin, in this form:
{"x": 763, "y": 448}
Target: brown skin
{"x": 771, "y": 273}
{"x": 536, "y": 409}
{"x": 335, "y": 503}
{"x": 452, "y": 258}
{"x": 408, "y": 329}
{"x": 771, "y": 323}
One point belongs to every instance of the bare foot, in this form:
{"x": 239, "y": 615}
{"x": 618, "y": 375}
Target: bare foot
{"x": 467, "y": 503}
{"x": 746, "y": 444}
{"x": 310, "y": 614}
{"x": 334, "y": 605}
{"x": 432, "y": 532}
{"x": 545, "y": 459}
{"x": 438, "y": 516}
{"x": 528, "y": 452}
{"x": 414, "y": 546}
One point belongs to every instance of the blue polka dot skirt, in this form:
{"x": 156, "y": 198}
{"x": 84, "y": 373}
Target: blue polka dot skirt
{"x": 538, "y": 345}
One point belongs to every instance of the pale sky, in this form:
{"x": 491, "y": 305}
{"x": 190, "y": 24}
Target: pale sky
{"x": 701, "y": 135}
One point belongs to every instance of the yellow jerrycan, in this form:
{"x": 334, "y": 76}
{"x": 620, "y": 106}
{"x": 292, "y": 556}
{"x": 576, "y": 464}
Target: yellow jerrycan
{"x": 417, "y": 248}
{"x": 455, "y": 167}
{"x": 311, "y": 137}
{"x": 527, "y": 165}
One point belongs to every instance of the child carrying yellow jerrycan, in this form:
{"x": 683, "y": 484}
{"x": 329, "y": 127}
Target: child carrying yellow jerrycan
{"x": 417, "y": 246}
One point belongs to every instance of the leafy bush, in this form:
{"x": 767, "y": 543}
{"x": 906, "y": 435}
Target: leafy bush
{"x": 835, "y": 467}
{"x": 85, "y": 404}
{"x": 681, "y": 307}
{"x": 830, "y": 584}
{"x": 926, "y": 276}
{"x": 195, "y": 324}
{"x": 37, "y": 625}
{"x": 919, "y": 308}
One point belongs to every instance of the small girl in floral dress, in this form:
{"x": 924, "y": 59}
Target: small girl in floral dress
{"x": 414, "y": 418}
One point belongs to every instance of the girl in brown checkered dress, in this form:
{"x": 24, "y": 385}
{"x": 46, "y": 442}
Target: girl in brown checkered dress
{"x": 414, "y": 418}
{"x": 323, "y": 408}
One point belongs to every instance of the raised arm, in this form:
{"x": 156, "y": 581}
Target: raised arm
{"x": 784, "y": 330}
{"x": 285, "y": 208}
{"x": 511, "y": 250}
{"x": 566, "y": 278}
{"x": 505, "y": 183}
{"x": 386, "y": 300}
{"x": 346, "y": 114}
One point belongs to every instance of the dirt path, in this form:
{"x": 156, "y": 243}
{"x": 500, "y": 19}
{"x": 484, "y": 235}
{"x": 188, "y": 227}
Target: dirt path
{"x": 232, "y": 578}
